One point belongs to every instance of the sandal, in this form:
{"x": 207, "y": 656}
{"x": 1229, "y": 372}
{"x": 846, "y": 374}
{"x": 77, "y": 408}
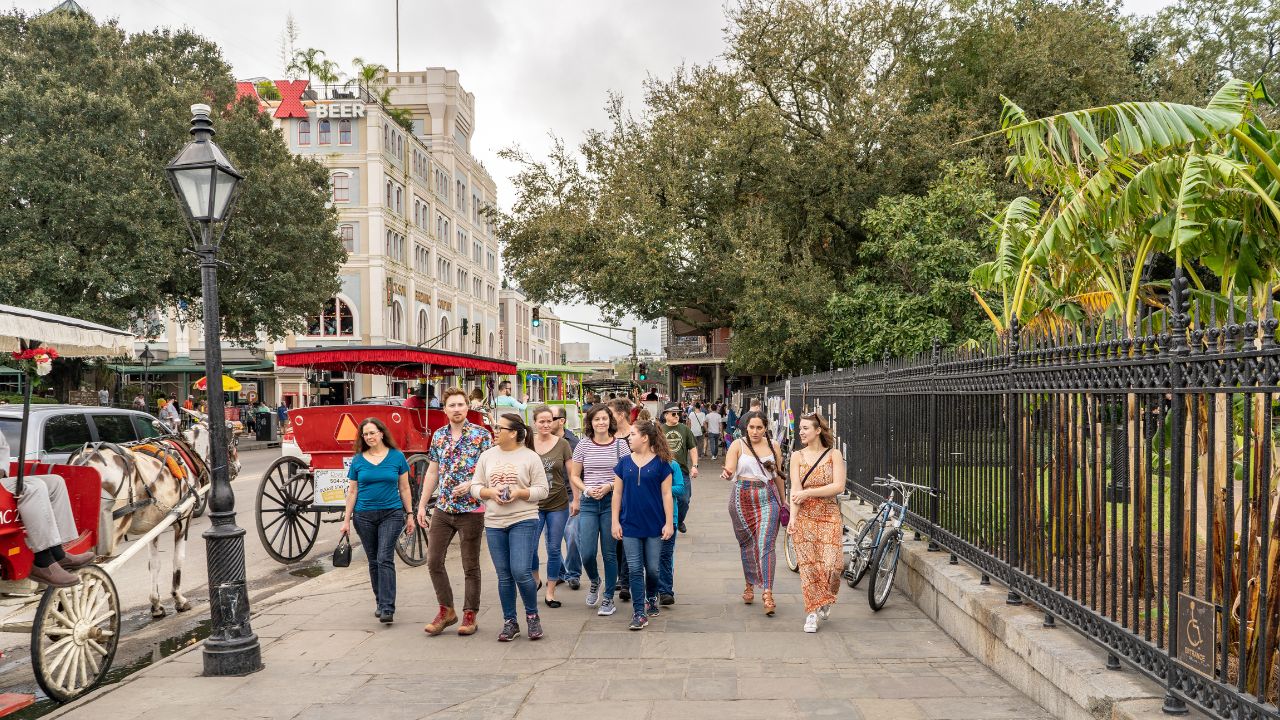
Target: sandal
{"x": 769, "y": 607}
{"x": 748, "y": 595}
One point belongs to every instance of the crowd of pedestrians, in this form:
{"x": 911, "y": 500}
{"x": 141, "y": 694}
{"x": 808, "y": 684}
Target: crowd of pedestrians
{"x": 609, "y": 505}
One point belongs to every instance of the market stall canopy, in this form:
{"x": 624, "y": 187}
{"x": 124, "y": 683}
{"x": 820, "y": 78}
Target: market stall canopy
{"x": 399, "y": 361}
{"x": 70, "y": 336}
{"x": 228, "y": 384}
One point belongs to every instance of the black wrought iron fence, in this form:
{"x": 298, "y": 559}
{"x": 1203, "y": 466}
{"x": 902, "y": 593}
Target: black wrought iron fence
{"x": 1125, "y": 483}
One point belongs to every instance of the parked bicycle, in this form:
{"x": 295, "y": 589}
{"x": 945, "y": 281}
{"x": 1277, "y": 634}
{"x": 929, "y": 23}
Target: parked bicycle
{"x": 878, "y": 542}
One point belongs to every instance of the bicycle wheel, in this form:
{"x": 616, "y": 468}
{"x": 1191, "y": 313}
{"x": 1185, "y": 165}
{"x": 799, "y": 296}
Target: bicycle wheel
{"x": 886, "y": 564}
{"x": 789, "y": 548}
{"x": 412, "y": 548}
{"x": 859, "y": 559}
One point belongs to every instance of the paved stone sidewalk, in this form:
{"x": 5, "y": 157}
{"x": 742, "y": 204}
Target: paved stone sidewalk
{"x": 709, "y": 656}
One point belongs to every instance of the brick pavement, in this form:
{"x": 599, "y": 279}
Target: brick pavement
{"x": 709, "y": 656}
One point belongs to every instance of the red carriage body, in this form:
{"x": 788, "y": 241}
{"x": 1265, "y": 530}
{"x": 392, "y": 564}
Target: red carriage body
{"x": 294, "y": 492}
{"x": 84, "y": 488}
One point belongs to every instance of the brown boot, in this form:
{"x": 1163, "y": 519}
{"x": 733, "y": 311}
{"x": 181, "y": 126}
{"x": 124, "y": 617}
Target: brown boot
{"x": 75, "y": 561}
{"x": 444, "y": 619}
{"x": 53, "y": 576}
{"x": 468, "y": 626}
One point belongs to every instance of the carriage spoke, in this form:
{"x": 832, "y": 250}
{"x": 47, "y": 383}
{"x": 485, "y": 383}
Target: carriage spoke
{"x": 97, "y": 646}
{"x": 58, "y": 632}
{"x": 278, "y": 519}
{"x": 315, "y": 524}
{"x": 276, "y": 534}
{"x": 91, "y": 659}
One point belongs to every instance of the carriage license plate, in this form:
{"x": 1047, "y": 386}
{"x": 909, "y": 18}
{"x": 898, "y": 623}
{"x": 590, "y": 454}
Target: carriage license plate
{"x": 331, "y": 486}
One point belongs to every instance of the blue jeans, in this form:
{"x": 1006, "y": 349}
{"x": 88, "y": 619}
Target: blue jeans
{"x": 667, "y": 569}
{"x": 378, "y": 531}
{"x": 572, "y": 567}
{"x": 595, "y": 534}
{"x": 643, "y": 559}
{"x": 512, "y": 549}
{"x": 553, "y": 522}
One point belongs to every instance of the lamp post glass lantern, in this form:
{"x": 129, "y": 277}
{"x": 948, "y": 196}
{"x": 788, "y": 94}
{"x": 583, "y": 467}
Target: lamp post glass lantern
{"x": 205, "y": 182}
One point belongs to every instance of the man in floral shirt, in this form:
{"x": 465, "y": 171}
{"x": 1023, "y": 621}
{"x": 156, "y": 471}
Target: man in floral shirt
{"x": 453, "y": 454}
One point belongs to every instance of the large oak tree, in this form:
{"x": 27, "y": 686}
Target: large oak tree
{"x": 89, "y": 116}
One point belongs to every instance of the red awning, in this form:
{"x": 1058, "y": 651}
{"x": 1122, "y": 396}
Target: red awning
{"x": 395, "y": 360}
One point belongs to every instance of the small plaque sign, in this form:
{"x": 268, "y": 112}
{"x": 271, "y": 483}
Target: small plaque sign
{"x": 1197, "y": 623}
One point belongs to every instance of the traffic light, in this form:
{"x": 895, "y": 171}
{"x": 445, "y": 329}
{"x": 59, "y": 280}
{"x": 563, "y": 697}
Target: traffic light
{"x": 537, "y": 317}
{"x": 642, "y": 371}
{"x": 465, "y": 326}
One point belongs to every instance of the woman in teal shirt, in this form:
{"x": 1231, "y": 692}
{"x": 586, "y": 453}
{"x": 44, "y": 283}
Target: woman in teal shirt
{"x": 378, "y": 498}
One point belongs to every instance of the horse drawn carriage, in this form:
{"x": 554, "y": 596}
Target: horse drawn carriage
{"x": 75, "y": 630}
{"x": 296, "y": 491}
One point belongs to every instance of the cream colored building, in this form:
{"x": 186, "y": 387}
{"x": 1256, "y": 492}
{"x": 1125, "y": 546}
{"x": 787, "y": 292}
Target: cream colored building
{"x": 423, "y": 256}
{"x": 520, "y": 341}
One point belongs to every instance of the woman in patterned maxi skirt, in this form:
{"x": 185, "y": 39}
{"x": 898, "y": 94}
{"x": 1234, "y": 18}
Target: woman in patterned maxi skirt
{"x": 755, "y": 506}
{"x": 817, "y": 477}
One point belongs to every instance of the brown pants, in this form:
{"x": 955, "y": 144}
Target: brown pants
{"x": 443, "y": 527}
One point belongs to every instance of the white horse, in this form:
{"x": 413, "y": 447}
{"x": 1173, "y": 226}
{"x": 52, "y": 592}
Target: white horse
{"x": 198, "y": 436}
{"x": 142, "y": 489}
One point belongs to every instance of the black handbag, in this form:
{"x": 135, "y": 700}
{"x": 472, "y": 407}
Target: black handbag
{"x": 342, "y": 553}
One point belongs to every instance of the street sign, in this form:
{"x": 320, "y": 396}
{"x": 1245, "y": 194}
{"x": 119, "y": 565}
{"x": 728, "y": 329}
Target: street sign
{"x": 347, "y": 429}
{"x": 1196, "y": 634}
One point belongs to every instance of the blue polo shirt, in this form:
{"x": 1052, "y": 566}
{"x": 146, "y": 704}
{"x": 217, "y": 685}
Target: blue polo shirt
{"x": 379, "y": 485}
{"x": 641, "y": 514}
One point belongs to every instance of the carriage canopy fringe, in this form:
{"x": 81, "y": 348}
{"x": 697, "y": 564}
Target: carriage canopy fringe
{"x": 395, "y": 360}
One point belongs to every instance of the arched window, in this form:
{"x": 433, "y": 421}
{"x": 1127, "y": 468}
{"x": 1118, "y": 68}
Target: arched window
{"x": 335, "y": 319}
{"x": 424, "y": 326}
{"x": 491, "y": 346}
{"x": 444, "y": 332}
{"x": 304, "y": 132}
{"x": 344, "y": 132}
{"x": 324, "y": 133}
{"x": 397, "y": 321}
{"x": 341, "y": 183}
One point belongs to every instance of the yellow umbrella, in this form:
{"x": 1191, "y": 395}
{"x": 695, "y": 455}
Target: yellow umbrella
{"x": 228, "y": 384}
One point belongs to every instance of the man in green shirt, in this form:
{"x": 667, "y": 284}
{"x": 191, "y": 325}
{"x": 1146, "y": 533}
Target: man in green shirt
{"x": 684, "y": 451}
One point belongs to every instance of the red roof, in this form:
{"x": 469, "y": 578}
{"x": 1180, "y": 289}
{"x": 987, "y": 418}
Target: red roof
{"x": 291, "y": 99}
{"x": 400, "y": 361}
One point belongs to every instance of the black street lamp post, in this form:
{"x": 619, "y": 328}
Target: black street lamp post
{"x": 146, "y": 357}
{"x": 205, "y": 182}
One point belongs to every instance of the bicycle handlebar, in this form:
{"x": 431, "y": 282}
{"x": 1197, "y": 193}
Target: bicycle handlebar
{"x": 891, "y": 481}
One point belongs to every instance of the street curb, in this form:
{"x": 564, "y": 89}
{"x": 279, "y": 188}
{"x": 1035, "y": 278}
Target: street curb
{"x": 310, "y": 586}
{"x": 1057, "y": 667}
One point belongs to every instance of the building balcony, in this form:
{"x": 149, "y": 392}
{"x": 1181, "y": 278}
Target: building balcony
{"x": 697, "y": 349}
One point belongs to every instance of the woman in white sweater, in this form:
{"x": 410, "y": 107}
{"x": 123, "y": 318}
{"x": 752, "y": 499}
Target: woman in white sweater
{"x": 511, "y": 478}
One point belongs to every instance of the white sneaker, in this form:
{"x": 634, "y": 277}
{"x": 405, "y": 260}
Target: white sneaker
{"x": 811, "y": 623}
{"x": 607, "y": 607}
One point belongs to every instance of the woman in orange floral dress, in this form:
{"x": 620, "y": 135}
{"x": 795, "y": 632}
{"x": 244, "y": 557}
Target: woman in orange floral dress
{"x": 817, "y": 476}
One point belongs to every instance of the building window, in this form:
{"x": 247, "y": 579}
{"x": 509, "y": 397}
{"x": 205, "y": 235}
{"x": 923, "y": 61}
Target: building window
{"x": 324, "y": 133}
{"x": 341, "y": 187}
{"x": 344, "y": 132}
{"x": 304, "y": 132}
{"x": 444, "y": 332}
{"x": 424, "y": 323}
{"x": 348, "y": 235}
{"x": 397, "y": 321}
{"x": 335, "y": 319}
{"x": 399, "y": 201}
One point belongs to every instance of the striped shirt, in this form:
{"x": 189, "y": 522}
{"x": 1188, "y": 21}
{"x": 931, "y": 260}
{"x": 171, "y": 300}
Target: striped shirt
{"x": 599, "y": 460}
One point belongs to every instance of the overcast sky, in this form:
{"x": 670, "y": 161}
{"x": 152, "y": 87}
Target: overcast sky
{"x": 535, "y": 66}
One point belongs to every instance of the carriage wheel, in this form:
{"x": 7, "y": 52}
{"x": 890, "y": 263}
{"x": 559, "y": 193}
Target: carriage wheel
{"x": 286, "y": 523}
{"x": 74, "y": 635}
{"x": 412, "y": 549}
